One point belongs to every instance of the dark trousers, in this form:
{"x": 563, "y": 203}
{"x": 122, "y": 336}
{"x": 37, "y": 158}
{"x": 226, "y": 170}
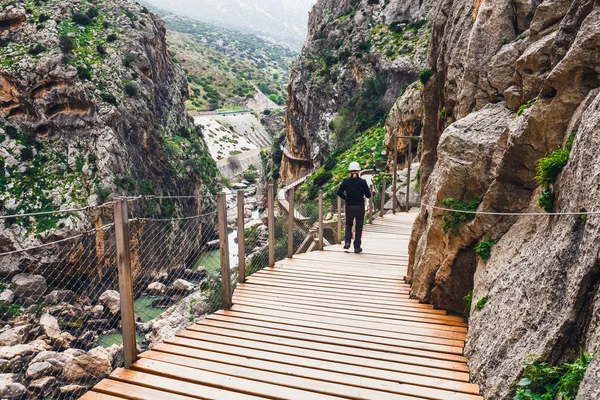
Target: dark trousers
{"x": 355, "y": 213}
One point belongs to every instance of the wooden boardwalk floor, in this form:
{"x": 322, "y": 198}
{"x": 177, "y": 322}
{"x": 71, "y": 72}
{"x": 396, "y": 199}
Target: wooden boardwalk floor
{"x": 325, "y": 325}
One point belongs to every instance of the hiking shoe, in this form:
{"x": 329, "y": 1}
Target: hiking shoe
{"x": 359, "y": 250}
{"x": 347, "y": 245}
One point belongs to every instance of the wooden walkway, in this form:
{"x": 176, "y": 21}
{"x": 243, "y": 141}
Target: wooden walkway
{"x": 324, "y": 325}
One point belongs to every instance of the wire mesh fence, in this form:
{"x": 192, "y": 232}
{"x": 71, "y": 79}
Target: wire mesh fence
{"x": 55, "y": 316}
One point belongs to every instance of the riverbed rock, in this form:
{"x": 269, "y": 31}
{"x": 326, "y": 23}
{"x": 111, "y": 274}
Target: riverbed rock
{"x": 61, "y": 296}
{"x": 72, "y": 391}
{"x": 43, "y": 385}
{"x": 96, "y": 363}
{"x": 98, "y": 311}
{"x": 10, "y": 388}
{"x": 111, "y": 300}
{"x": 88, "y": 340}
{"x": 156, "y": 289}
{"x": 50, "y": 326}
{"x": 7, "y": 296}
{"x": 195, "y": 276}
{"x": 14, "y": 336}
{"x": 28, "y": 287}
{"x": 38, "y": 370}
{"x": 54, "y": 358}
{"x": 181, "y": 285}
{"x": 22, "y": 350}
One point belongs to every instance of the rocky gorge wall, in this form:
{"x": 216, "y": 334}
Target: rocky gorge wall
{"x": 512, "y": 81}
{"x": 359, "y": 57}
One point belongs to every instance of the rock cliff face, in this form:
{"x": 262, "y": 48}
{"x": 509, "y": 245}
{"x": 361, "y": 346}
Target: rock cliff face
{"x": 91, "y": 105}
{"x": 513, "y": 80}
{"x": 358, "y": 59}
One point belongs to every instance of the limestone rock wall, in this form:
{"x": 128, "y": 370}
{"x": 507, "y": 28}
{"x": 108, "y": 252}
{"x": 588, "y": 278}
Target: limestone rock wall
{"x": 489, "y": 60}
{"x": 349, "y": 42}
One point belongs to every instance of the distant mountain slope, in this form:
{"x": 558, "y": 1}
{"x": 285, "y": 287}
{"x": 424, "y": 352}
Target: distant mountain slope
{"x": 225, "y": 66}
{"x": 283, "y": 21}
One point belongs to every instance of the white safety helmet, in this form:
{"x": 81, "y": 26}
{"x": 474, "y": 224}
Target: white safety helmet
{"x": 354, "y": 166}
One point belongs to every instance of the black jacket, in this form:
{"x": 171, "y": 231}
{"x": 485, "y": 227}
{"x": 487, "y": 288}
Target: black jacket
{"x": 354, "y": 191}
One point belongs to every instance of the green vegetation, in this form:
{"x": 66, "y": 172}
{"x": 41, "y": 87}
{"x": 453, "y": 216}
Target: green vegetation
{"x": 425, "y": 75}
{"x": 359, "y": 114}
{"x": 361, "y": 151}
{"x": 541, "y": 381}
{"x": 418, "y": 180}
{"x": 548, "y": 169}
{"x": 251, "y": 174}
{"x": 347, "y": 15}
{"x": 131, "y": 88}
{"x": 467, "y": 302}
{"x": 525, "y": 106}
{"x": 45, "y": 166}
{"x": 481, "y": 303}
{"x": 221, "y": 64}
{"x": 400, "y": 38}
{"x": 453, "y": 220}
{"x": 484, "y": 248}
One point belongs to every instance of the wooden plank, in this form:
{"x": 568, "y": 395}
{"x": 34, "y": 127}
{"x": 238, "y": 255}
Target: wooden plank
{"x": 98, "y": 396}
{"x": 389, "y": 381}
{"x": 236, "y": 331}
{"x": 327, "y": 331}
{"x": 307, "y": 282}
{"x": 277, "y": 273}
{"x": 136, "y": 390}
{"x": 241, "y": 385}
{"x": 242, "y": 370}
{"x": 408, "y": 328}
{"x": 299, "y": 377}
{"x": 345, "y": 304}
{"x": 297, "y": 269}
{"x": 163, "y": 387}
{"x": 201, "y": 341}
{"x": 337, "y": 290}
{"x": 404, "y": 301}
{"x": 240, "y": 298}
{"x": 327, "y": 347}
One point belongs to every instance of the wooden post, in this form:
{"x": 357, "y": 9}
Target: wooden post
{"x": 395, "y": 177}
{"x": 383, "y": 189}
{"x": 371, "y": 206}
{"x": 224, "y": 245}
{"x": 241, "y": 237}
{"x": 409, "y": 158}
{"x": 271, "y": 223}
{"x": 339, "y": 215}
{"x": 125, "y": 282}
{"x": 291, "y": 211}
{"x": 321, "y": 247}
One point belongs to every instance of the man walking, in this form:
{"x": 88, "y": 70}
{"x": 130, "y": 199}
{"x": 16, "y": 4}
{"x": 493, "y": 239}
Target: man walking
{"x": 354, "y": 190}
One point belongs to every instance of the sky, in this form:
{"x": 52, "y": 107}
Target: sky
{"x": 284, "y": 21}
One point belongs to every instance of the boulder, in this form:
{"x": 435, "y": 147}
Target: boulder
{"x": 10, "y": 388}
{"x": 7, "y": 296}
{"x": 72, "y": 391}
{"x": 50, "y": 326}
{"x": 98, "y": 311}
{"x": 14, "y": 336}
{"x": 43, "y": 385}
{"x": 57, "y": 360}
{"x": 96, "y": 364}
{"x": 29, "y": 286}
{"x": 38, "y": 370}
{"x": 195, "y": 276}
{"x": 156, "y": 289}
{"x": 181, "y": 285}
{"x": 8, "y": 269}
{"x": 21, "y": 350}
{"x": 111, "y": 300}
{"x": 86, "y": 341}
{"x": 61, "y": 296}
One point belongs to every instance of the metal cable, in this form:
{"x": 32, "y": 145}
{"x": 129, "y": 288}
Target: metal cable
{"x": 175, "y": 219}
{"x": 69, "y": 211}
{"x": 90, "y": 232}
{"x": 530, "y": 214}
